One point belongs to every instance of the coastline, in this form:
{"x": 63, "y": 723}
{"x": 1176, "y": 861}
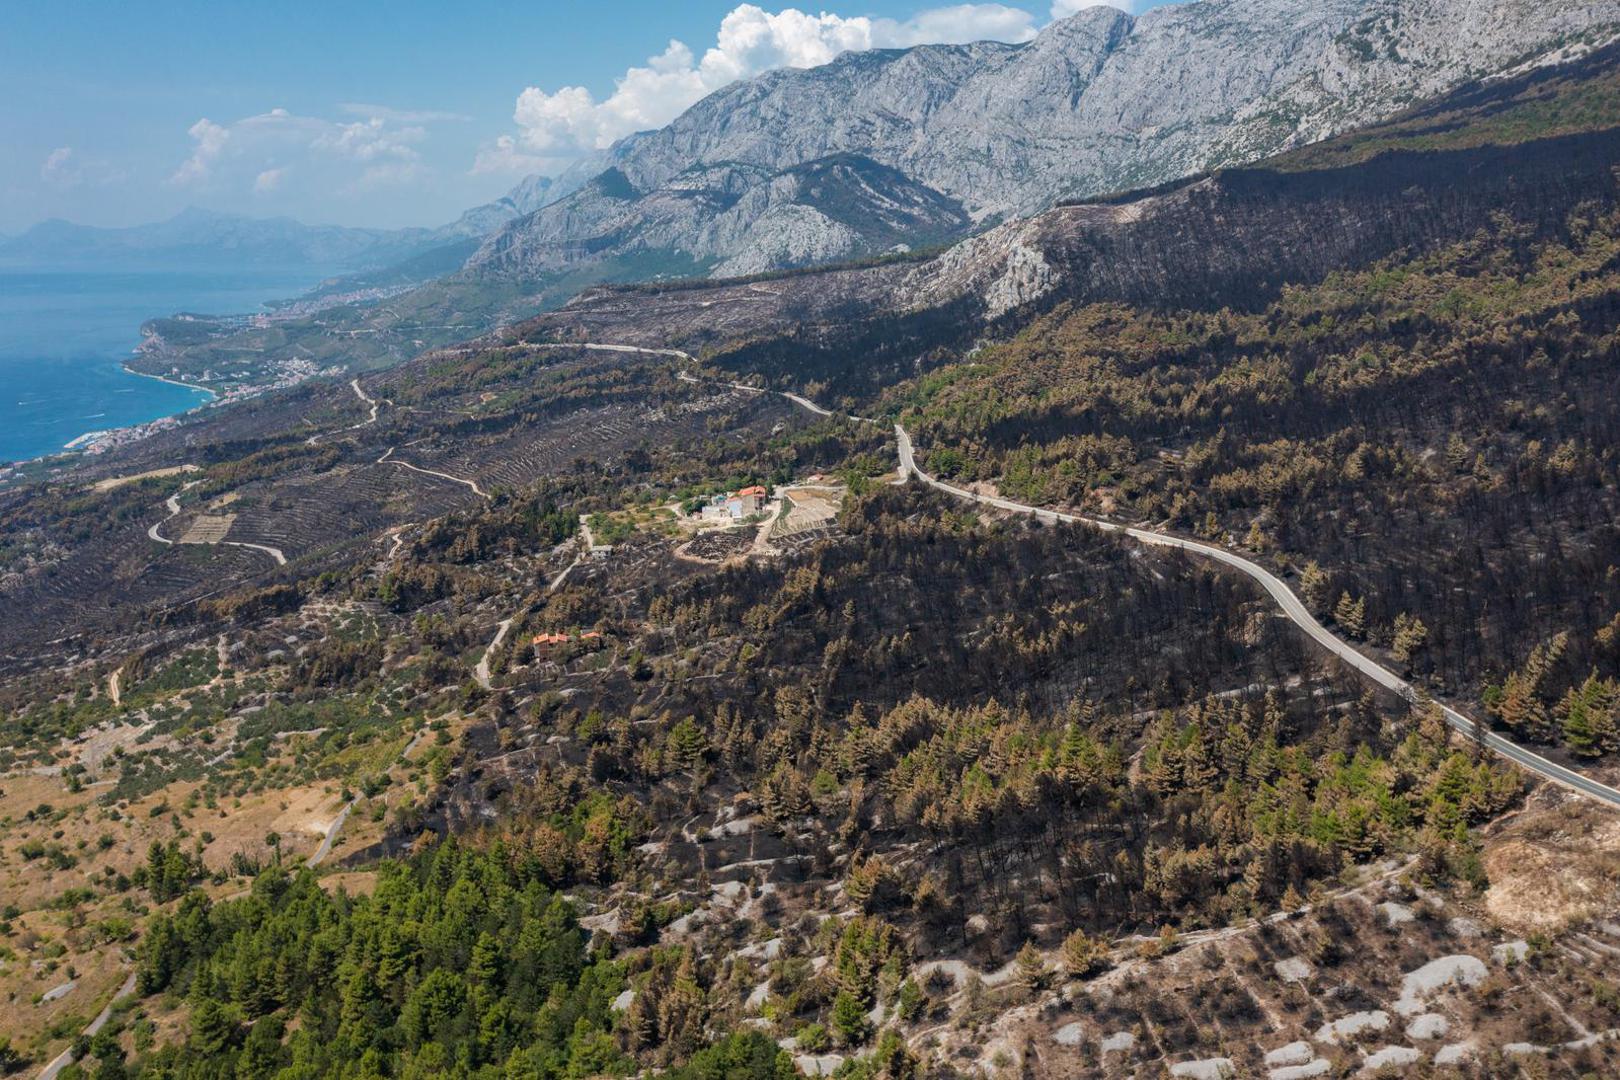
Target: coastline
{"x": 59, "y": 323}
{"x": 95, "y": 441}
{"x": 212, "y": 394}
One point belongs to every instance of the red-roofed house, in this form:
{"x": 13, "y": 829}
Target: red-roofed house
{"x": 547, "y": 645}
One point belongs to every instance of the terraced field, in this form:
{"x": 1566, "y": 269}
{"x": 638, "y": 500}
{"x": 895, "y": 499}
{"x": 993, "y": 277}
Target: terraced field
{"x": 812, "y": 513}
{"x": 522, "y": 454}
{"x": 311, "y": 513}
{"x": 106, "y": 581}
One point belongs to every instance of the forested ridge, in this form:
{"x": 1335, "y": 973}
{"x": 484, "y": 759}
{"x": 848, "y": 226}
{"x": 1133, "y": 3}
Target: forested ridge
{"x": 1430, "y": 442}
{"x": 461, "y": 962}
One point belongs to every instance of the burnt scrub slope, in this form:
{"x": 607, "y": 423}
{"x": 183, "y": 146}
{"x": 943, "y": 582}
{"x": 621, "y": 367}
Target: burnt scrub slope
{"x": 1236, "y": 238}
{"x": 1041, "y": 701}
{"x": 1436, "y": 434}
{"x": 82, "y": 563}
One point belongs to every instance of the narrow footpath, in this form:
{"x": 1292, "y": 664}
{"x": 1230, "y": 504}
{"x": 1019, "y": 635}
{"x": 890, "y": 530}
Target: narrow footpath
{"x": 389, "y": 459}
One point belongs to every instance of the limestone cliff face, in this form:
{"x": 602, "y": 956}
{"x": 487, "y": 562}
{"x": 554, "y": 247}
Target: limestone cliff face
{"x": 1533, "y": 149}
{"x": 956, "y": 137}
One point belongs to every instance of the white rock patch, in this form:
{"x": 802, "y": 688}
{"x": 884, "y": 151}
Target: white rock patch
{"x": 1354, "y": 1024}
{"x": 1206, "y": 1069}
{"x": 819, "y": 1064}
{"x": 608, "y": 922}
{"x": 1459, "y": 970}
{"x": 1396, "y": 914}
{"x": 1069, "y": 1034}
{"x": 1118, "y": 1042}
{"x": 56, "y": 993}
{"x": 1428, "y": 1026}
{"x": 1454, "y": 1054}
{"x": 1390, "y": 1055}
{"x": 1295, "y": 1053}
{"x": 1294, "y": 969}
{"x": 1510, "y": 952}
{"x": 1317, "y": 1067}
{"x": 739, "y": 827}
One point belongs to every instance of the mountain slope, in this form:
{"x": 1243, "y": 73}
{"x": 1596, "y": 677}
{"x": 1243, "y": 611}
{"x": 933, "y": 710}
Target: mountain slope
{"x": 738, "y": 219}
{"x": 1098, "y": 102}
{"x": 1538, "y": 144}
{"x": 885, "y": 150}
{"x": 530, "y": 194}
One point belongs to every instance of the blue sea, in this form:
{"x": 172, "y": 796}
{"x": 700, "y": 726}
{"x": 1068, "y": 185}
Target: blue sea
{"x": 64, "y": 336}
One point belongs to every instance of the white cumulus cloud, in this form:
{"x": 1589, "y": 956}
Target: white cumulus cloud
{"x": 264, "y": 152}
{"x": 403, "y": 116}
{"x": 750, "y": 40}
{"x": 65, "y": 167}
{"x": 208, "y": 142}
{"x": 59, "y": 167}
{"x": 371, "y": 140}
{"x": 504, "y": 155}
{"x": 268, "y": 180}
{"x": 955, "y": 25}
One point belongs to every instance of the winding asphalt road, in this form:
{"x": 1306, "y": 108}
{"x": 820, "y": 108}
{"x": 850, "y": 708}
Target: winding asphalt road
{"x": 173, "y": 505}
{"x": 1297, "y": 613}
{"x": 332, "y": 831}
{"x": 65, "y": 1058}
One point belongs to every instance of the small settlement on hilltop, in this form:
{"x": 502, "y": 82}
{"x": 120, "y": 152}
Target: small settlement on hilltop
{"x": 736, "y": 505}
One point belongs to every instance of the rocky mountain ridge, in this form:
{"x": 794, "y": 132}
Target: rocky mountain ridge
{"x": 1101, "y": 101}
{"x": 1229, "y": 238}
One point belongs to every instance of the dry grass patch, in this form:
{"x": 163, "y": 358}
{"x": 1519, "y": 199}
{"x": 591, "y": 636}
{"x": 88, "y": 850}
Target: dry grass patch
{"x": 113, "y": 482}
{"x": 1555, "y": 867}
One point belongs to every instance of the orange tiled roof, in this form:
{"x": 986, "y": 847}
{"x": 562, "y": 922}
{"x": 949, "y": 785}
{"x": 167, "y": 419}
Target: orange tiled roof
{"x": 558, "y": 639}
{"x": 755, "y": 490}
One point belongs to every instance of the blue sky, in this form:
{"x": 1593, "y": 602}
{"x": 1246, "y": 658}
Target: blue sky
{"x": 386, "y": 115}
